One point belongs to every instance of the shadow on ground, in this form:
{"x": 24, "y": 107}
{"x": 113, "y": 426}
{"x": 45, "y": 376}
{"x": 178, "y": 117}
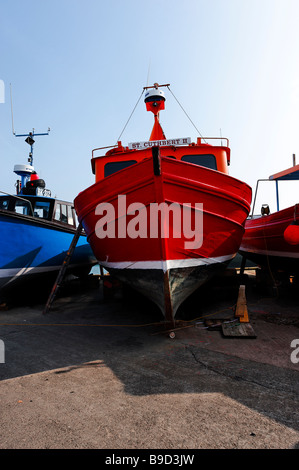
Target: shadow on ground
{"x": 83, "y": 330}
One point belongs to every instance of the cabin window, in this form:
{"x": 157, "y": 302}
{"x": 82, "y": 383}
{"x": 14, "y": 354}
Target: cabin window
{"x": 4, "y": 203}
{"x": 208, "y": 161}
{"x": 57, "y": 212}
{"x": 113, "y": 167}
{"x": 64, "y": 213}
{"x": 41, "y": 209}
{"x": 70, "y": 219}
{"x": 23, "y": 207}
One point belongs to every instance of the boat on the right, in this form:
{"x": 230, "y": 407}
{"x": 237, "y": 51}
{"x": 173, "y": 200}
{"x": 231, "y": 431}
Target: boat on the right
{"x": 271, "y": 239}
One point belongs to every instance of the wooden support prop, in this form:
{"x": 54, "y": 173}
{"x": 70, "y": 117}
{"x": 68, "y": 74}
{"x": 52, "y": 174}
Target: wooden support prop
{"x": 243, "y": 264}
{"x": 240, "y": 327}
{"x": 241, "y": 308}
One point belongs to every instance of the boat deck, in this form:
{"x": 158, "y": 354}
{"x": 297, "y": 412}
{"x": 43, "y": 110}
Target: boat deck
{"x": 87, "y": 375}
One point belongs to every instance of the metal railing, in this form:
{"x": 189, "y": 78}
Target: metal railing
{"x": 202, "y": 138}
{"x": 21, "y": 198}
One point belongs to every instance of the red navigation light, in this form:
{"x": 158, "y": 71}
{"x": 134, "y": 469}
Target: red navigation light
{"x": 291, "y": 234}
{"x": 34, "y": 176}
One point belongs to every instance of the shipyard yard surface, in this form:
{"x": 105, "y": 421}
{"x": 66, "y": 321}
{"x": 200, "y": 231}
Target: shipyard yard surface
{"x": 87, "y": 376}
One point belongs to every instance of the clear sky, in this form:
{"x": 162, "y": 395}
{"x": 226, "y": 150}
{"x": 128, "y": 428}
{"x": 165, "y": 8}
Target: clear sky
{"x": 79, "y": 66}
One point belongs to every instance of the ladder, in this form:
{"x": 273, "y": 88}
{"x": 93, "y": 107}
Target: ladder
{"x": 63, "y": 269}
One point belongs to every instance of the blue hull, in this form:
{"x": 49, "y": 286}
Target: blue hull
{"x": 30, "y": 247}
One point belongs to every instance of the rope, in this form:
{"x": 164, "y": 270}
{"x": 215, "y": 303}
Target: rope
{"x": 140, "y": 325}
{"x": 130, "y": 115}
{"x": 186, "y": 113}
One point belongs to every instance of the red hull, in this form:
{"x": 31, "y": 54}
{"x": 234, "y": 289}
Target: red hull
{"x": 264, "y": 241}
{"x": 162, "y": 267}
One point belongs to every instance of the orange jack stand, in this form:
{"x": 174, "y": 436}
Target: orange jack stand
{"x": 241, "y": 308}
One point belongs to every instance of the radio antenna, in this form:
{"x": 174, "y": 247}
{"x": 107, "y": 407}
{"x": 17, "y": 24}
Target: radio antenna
{"x": 29, "y": 135}
{"x": 148, "y": 72}
{"x": 13, "y": 130}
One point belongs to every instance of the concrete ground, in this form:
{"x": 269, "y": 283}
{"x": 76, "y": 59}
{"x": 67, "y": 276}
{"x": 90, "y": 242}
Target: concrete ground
{"x": 100, "y": 374}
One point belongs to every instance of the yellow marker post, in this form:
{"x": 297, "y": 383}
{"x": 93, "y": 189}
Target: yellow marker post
{"x": 241, "y": 308}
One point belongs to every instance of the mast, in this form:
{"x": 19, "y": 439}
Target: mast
{"x": 30, "y": 141}
{"x": 25, "y": 171}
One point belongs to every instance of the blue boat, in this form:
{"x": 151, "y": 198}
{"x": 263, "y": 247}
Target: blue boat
{"x": 36, "y": 231}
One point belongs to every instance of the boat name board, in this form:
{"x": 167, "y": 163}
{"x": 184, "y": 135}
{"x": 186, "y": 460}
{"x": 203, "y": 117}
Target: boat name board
{"x": 159, "y": 143}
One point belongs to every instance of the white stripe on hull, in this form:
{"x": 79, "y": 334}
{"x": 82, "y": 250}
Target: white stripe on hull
{"x": 282, "y": 254}
{"x": 166, "y": 265}
{"x": 14, "y": 273}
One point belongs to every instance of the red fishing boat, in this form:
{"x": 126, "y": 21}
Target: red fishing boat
{"x": 272, "y": 239}
{"x": 164, "y": 215}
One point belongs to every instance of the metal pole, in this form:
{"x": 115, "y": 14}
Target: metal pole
{"x": 253, "y": 205}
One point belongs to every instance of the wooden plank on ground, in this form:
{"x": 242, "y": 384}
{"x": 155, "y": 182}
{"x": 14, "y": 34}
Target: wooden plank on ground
{"x": 238, "y": 330}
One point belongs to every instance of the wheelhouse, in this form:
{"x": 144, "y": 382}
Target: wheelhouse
{"x": 44, "y": 208}
{"x": 201, "y": 154}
